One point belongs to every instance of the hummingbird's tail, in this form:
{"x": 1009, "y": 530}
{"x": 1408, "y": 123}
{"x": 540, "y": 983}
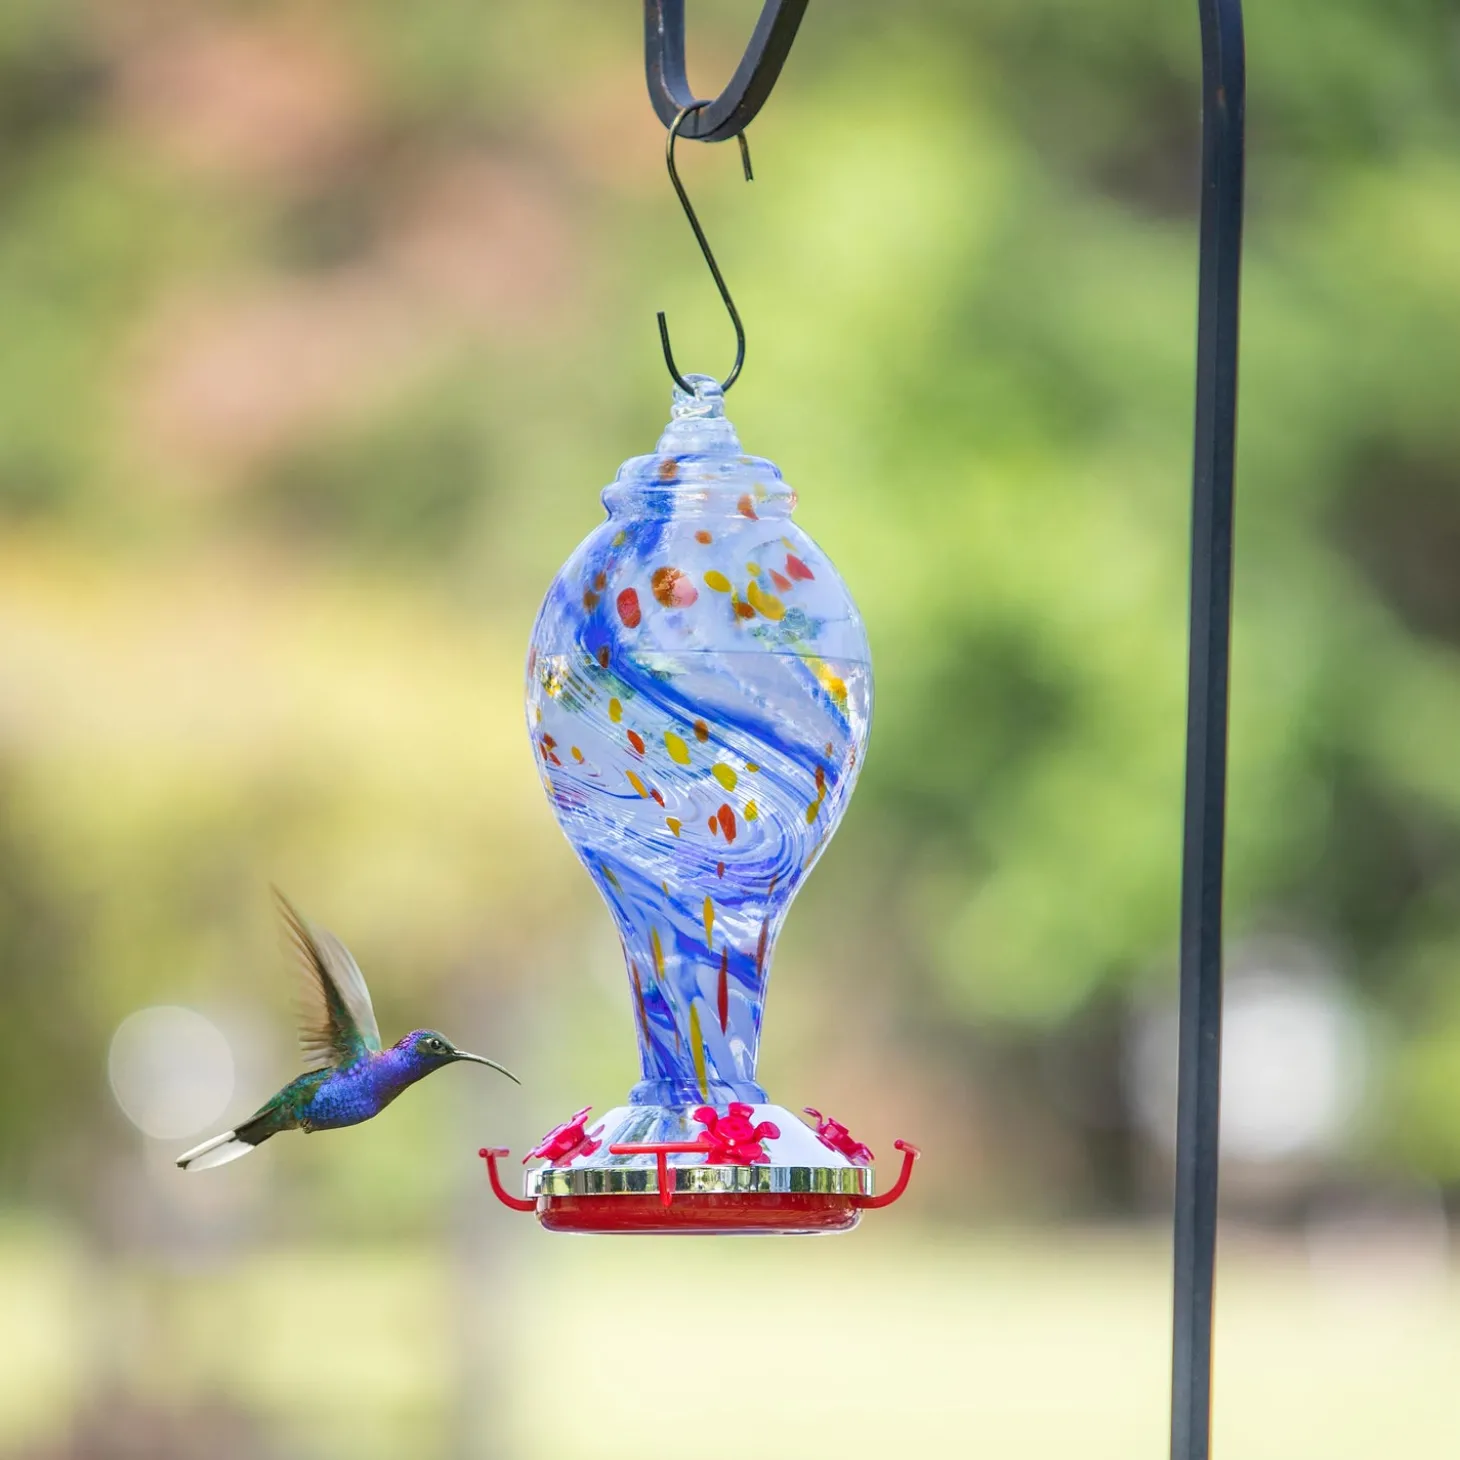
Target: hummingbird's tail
{"x": 230, "y": 1145}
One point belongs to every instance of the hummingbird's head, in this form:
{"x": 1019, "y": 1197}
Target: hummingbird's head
{"x": 432, "y": 1050}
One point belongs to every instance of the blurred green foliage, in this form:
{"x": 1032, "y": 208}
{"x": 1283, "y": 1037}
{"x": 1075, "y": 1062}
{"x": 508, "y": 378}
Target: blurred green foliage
{"x": 323, "y": 326}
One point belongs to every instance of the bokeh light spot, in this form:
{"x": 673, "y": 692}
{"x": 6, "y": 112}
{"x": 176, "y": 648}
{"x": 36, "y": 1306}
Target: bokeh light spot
{"x": 171, "y": 1071}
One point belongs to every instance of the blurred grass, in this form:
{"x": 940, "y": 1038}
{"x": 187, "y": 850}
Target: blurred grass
{"x": 1039, "y": 1346}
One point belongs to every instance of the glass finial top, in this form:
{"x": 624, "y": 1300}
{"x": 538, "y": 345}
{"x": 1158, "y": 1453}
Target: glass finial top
{"x": 707, "y": 402}
{"x": 697, "y": 424}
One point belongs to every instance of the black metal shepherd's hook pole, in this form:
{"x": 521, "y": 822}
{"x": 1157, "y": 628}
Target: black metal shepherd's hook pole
{"x": 1200, "y": 1020}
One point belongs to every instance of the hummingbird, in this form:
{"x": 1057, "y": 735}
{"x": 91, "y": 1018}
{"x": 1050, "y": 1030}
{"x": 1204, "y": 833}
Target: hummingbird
{"x": 350, "y": 1077}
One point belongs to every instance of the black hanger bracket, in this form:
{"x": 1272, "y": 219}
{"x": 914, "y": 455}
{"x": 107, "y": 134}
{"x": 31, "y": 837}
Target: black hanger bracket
{"x": 730, "y": 113}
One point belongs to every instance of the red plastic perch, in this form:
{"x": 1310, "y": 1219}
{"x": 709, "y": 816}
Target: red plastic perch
{"x": 661, "y": 1151}
{"x": 909, "y": 1155}
{"x": 490, "y": 1155}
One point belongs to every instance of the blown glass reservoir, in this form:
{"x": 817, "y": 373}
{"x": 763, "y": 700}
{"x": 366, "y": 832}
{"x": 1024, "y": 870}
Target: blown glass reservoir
{"x": 699, "y": 696}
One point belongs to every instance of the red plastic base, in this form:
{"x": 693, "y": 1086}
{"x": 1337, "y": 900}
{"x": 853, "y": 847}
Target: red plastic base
{"x": 702, "y": 1212}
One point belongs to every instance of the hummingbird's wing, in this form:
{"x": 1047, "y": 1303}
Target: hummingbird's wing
{"x": 337, "y": 1024}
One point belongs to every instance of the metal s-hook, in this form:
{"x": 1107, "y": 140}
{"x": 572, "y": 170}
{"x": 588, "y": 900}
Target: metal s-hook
{"x": 704, "y": 243}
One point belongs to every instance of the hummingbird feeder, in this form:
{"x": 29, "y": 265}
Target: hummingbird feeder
{"x": 699, "y": 696}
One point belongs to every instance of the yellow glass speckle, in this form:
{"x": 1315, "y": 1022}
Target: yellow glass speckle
{"x": 767, "y": 604}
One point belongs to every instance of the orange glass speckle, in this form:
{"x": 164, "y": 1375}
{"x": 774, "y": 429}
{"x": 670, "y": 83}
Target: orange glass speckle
{"x": 672, "y": 588}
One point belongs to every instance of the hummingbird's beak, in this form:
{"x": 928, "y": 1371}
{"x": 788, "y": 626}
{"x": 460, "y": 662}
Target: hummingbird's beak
{"x": 478, "y": 1059}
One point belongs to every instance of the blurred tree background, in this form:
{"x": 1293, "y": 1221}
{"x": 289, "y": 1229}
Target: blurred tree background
{"x": 325, "y": 323}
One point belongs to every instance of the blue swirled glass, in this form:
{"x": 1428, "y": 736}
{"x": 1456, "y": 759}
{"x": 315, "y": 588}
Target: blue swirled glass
{"x": 699, "y": 696}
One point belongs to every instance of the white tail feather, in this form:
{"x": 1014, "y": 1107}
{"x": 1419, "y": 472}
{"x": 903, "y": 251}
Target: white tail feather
{"x": 217, "y": 1152}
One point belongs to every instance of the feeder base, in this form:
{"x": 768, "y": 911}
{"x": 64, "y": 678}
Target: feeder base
{"x": 694, "y": 1169}
{"x": 707, "y": 1214}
